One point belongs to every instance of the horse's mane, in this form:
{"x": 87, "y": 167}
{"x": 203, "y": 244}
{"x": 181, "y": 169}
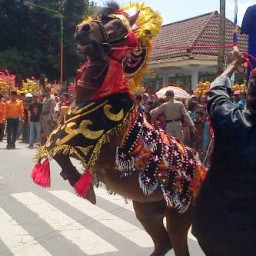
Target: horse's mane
{"x": 109, "y": 8}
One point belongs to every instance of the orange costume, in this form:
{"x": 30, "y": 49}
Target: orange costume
{"x": 14, "y": 109}
{"x": 2, "y": 112}
{"x": 2, "y": 119}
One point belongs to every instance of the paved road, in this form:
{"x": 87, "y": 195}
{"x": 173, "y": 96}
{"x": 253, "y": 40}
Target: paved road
{"x": 36, "y": 221}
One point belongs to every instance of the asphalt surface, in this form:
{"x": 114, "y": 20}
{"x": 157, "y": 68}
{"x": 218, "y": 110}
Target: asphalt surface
{"x": 38, "y": 221}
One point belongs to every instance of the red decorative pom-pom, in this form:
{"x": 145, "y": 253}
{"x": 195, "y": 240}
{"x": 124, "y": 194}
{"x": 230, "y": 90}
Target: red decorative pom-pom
{"x": 41, "y": 174}
{"x": 82, "y": 185}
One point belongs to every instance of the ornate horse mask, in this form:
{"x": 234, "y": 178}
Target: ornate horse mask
{"x": 111, "y": 27}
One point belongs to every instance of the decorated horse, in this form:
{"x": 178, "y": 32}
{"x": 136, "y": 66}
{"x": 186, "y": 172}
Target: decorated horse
{"x": 113, "y": 141}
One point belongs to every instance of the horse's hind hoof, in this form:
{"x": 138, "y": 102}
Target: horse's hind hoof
{"x": 162, "y": 251}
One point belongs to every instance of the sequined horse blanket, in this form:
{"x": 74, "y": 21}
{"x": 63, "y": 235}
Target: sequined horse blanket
{"x": 163, "y": 162}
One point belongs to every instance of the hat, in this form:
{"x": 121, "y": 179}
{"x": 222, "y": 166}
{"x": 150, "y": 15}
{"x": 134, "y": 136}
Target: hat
{"x": 29, "y": 95}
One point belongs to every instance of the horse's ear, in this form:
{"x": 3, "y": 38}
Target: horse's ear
{"x": 133, "y": 18}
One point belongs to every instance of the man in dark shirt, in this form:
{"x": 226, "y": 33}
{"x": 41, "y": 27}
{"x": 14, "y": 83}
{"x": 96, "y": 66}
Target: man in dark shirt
{"x": 225, "y": 209}
{"x": 34, "y": 118}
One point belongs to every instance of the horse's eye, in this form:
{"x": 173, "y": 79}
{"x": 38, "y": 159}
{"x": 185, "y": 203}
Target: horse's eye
{"x": 117, "y": 24}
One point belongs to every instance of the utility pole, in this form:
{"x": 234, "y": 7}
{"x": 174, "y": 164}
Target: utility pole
{"x": 61, "y": 45}
{"x": 222, "y": 32}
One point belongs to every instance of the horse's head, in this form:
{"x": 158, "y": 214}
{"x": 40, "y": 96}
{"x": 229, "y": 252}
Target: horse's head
{"x": 110, "y": 28}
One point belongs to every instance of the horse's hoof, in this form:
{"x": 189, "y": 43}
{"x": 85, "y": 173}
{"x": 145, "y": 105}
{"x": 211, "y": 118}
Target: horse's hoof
{"x": 63, "y": 175}
{"x": 91, "y": 195}
{"x": 162, "y": 251}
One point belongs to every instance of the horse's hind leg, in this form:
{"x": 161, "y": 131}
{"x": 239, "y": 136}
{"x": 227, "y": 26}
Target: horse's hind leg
{"x": 177, "y": 227}
{"x": 151, "y": 217}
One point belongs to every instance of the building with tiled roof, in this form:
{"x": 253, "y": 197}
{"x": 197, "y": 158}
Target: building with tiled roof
{"x": 182, "y": 52}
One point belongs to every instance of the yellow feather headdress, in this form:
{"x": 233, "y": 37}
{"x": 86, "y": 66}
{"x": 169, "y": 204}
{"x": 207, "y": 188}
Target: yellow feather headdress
{"x": 146, "y": 28}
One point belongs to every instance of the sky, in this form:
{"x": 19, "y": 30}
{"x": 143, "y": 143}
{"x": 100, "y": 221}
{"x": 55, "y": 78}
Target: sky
{"x": 175, "y": 10}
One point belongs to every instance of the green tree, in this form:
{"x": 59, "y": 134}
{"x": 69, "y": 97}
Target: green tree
{"x": 30, "y": 36}
{"x": 73, "y": 13}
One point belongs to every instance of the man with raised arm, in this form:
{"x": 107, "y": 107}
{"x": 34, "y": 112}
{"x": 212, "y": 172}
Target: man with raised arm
{"x": 225, "y": 209}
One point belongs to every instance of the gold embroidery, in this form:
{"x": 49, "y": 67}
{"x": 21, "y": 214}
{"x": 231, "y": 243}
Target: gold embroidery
{"x": 87, "y": 133}
{"x": 86, "y": 113}
{"x": 118, "y": 130}
{"x": 48, "y": 142}
{"x": 113, "y": 117}
{"x": 55, "y": 131}
{"x": 83, "y": 129}
{"x": 78, "y": 110}
{"x": 70, "y": 134}
{"x": 85, "y": 150}
{"x": 45, "y": 152}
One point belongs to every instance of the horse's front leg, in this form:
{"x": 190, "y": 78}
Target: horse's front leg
{"x": 70, "y": 173}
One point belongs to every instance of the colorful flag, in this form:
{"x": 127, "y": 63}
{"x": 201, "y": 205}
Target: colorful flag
{"x": 235, "y": 36}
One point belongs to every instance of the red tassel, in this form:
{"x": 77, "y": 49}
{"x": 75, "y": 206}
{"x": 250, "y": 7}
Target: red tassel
{"x": 41, "y": 174}
{"x": 82, "y": 185}
{"x": 35, "y": 170}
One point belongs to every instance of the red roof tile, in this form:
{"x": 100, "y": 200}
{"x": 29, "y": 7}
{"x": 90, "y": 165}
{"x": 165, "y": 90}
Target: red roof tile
{"x": 175, "y": 39}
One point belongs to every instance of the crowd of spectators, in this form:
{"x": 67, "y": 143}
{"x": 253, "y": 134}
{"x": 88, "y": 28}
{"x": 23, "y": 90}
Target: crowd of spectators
{"x": 186, "y": 119}
{"x": 31, "y": 117}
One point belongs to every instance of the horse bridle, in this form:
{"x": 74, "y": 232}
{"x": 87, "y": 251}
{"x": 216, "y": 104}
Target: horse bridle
{"x": 108, "y": 42}
{"x": 102, "y": 29}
